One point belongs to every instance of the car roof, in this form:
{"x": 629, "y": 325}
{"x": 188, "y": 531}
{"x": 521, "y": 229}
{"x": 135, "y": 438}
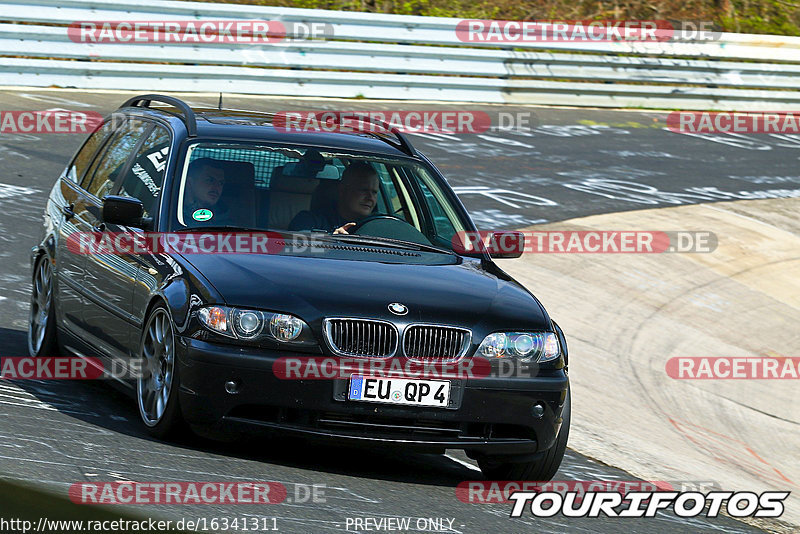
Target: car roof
{"x": 250, "y": 126}
{"x": 246, "y": 125}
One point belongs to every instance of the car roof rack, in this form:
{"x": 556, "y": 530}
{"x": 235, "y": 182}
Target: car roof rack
{"x": 188, "y": 117}
{"x": 402, "y": 143}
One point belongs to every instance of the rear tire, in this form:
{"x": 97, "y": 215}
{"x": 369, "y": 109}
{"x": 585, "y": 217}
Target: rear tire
{"x": 42, "y": 334}
{"x": 541, "y": 470}
{"x": 157, "y": 388}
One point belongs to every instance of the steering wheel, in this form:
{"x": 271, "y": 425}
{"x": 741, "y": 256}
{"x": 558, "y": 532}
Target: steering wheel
{"x": 375, "y": 217}
{"x": 391, "y": 227}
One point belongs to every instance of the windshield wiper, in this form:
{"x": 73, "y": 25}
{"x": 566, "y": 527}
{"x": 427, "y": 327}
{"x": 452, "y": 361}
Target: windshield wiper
{"x": 387, "y": 242}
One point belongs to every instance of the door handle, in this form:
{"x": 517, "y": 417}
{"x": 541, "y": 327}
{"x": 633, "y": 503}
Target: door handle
{"x": 68, "y": 211}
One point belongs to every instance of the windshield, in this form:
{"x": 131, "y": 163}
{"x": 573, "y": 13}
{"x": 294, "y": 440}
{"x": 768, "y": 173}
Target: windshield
{"x": 274, "y": 188}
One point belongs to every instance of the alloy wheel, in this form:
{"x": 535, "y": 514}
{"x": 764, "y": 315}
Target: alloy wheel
{"x": 158, "y": 355}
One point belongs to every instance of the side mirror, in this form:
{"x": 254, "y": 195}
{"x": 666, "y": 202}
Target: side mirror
{"x": 506, "y": 244}
{"x": 124, "y": 211}
{"x": 502, "y": 244}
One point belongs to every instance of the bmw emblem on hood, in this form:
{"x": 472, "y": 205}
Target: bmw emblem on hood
{"x": 397, "y": 308}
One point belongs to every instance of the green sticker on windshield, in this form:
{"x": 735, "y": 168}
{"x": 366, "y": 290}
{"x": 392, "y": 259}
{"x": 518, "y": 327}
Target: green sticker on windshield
{"x": 202, "y": 215}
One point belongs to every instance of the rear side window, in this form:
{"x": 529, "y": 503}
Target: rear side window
{"x": 114, "y": 157}
{"x": 438, "y": 204}
{"x": 145, "y": 177}
{"x": 85, "y": 155}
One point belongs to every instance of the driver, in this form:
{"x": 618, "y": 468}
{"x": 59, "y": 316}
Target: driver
{"x": 204, "y": 186}
{"x": 356, "y": 197}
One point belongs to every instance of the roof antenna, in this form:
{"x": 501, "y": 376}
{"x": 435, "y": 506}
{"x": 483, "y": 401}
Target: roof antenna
{"x": 220, "y": 101}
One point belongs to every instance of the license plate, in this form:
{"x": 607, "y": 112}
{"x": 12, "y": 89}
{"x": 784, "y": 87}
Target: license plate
{"x": 434, "y": 393}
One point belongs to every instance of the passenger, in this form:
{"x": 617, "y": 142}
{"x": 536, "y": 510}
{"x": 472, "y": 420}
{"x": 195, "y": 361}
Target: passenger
{"x": 356, "y": 198}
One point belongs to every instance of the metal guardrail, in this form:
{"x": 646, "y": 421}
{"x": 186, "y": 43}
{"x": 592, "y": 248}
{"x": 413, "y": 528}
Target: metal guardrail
{"x": 393, "y": 56}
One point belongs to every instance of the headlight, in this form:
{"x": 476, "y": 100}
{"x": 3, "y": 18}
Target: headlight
{"x": 523, "y": 346}
{"x": 285, "y": 327}
{"x": 255, "y": 325}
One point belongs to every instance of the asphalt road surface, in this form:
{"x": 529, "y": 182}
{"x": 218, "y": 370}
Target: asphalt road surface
{"x": 571, "y": 163}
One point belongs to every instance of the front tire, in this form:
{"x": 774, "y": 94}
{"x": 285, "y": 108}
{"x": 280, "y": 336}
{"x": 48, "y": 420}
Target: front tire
{"x": 157, "y": 388}
{"x": 42, "y": 335}
{"x": 541, "y": 470}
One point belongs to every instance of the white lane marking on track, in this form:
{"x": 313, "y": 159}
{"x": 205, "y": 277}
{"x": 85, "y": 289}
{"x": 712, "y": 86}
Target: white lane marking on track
{"x": 504, "y": 196}
{"x": 36, "y": 403}
{"x": 9, "y": 191}
{"x": 464, "y": 463}
{"x": 12, "y": 153}
{"x": 50, "y": 99}
{"x": 120, "y": 477}
{"x": 81, "y": 463}
{"x": 15, "y": 393}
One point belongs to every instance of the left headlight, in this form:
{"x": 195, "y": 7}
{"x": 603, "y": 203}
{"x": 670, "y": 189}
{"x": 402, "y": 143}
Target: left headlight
{"x": 523, "y": 346}
{"x": 255, "y": 325}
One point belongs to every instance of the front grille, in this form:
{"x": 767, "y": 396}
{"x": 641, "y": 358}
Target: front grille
{"x": 435, "y": 343}
{"x": 361, "y": 337}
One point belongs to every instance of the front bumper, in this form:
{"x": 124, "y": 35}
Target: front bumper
{"x": 494, "y": 415}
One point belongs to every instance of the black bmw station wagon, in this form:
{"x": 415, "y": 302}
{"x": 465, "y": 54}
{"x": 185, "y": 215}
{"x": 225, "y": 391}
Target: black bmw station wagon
{"x": 211, "y": 333}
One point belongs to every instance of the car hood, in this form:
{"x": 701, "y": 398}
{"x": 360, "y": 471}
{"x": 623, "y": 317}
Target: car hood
{"x": 463, "y": 293}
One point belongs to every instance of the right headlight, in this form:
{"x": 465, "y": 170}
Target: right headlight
{"x": 523, "y": 346}
{"x": 255, "y": 325}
